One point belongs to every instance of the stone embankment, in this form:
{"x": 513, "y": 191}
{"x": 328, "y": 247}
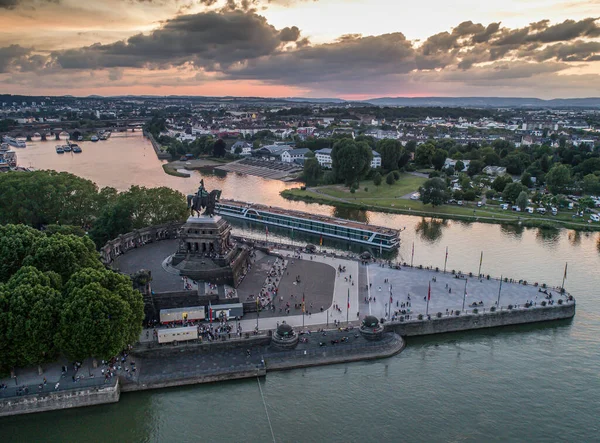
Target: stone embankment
{"x": 61, "y": 399}
{"x": 162, "y": 155}
{"x": 468, "y": 322}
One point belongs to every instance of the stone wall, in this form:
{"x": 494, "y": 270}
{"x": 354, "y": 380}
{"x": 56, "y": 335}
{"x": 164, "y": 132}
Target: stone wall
{"x": 136, "y": 239}
{"x": 52, "y": 401}
{"x": 466, "y": 322}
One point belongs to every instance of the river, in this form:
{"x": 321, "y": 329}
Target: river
{"x": 537, "y": 383}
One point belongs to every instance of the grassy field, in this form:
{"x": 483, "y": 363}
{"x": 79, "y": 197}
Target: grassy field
{"x": 405, "y": 185}
{"x": 385, "y": 200}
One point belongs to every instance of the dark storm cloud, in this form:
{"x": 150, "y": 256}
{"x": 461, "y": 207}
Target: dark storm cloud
{"x": 12, "y": 4}
{"x": 11, "y": 54}
{"x": 210, "y": 40}
{"x": 350, "y": 57}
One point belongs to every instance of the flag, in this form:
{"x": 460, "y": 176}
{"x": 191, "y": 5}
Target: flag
{"x": 266, "y": 230}
{"x": 429, "y": 292}
{"x": 209, "y": 311}
{"x": 481, "y": 259}
{"x": 413, "y": 253}
{"x": 303, "y": 306}
{"x": 348, "y": 298}
{"x": 321, "y": 241}
{"x": 565, "y": 276}
{"x": 446, "y": 252}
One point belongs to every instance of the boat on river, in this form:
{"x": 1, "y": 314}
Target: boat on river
{"x": 66, "y": 148}
{"x": 94, "y": 138}
{"x": 75, "y": 148}
{"x": 16, "y": 143}
{"x": 59, "y": 149}
{"x": 349, "y": 230}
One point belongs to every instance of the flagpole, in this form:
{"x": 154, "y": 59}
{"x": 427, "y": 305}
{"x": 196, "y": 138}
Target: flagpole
{"x": 303, "y": 314}
{"x": 348, "y": 307}
{"x": 465, "y": 294}
{"x": 499, "y": 289}
{"x": 390, "y": 307}
{"x": 428, "y": 297}
{"x": 446, "y": 259}
{"x": 564, "y": 278}
{"x": 480, "y": 261}
{"x": 412, "y": 255}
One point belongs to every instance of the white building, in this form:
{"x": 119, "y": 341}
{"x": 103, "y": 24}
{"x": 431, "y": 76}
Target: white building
{"x": 376, "y": 162}
{"x": 294, "y": 154}
{"x": 323, "y": 156}
{"x": 245, "y": 146}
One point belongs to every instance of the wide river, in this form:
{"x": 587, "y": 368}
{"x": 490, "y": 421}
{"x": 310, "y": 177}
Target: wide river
{"x": 531, "y": 383}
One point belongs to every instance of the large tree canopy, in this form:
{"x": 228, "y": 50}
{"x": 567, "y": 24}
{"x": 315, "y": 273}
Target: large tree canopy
{"x": 434, "y": 191}
{"x": 58, "y": 298}
{"x": 351, "y": 161}
{"x": 391, "y": 151}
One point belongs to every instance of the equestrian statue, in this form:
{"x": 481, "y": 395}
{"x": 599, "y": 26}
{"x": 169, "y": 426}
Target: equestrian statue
{"x": 203, "y": 199}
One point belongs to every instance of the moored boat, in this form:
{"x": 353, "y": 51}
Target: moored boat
{"x": 75, "y": 148}
{"x": 59, "y": 149}
{"x": 94, "y": 138}
{"x": 66, "y": 148}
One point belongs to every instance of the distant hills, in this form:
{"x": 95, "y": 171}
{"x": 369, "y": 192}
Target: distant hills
{"x": 487, "y": 102}
{"x": 447, "y": 102}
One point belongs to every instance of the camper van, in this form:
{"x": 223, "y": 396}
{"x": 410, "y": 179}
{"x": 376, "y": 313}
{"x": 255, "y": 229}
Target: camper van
{"x": 554, "y": 211}
{"x": 541, "y": 210}
{"x": 595, "y": 217}
{"x": 504, "y": 206}
{"x": 174, "y": 335}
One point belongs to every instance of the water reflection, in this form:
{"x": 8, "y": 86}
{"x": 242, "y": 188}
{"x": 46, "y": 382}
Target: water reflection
{"x": 351, "y": 214}
{"x": 574, "y": 238}
{"x": 431, "y": 230}
{"x": 548, "y": 236}
{"x": 512, "y": 231}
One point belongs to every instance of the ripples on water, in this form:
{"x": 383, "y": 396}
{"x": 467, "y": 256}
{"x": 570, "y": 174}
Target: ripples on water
{"x": 528, "y": 383}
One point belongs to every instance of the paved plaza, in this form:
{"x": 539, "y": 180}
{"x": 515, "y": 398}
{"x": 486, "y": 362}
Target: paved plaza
{"x": 150, "y": 257}
{"x": 446, "y": 291}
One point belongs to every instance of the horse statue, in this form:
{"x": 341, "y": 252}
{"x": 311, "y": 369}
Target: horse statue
{"x": 203, "y": 199}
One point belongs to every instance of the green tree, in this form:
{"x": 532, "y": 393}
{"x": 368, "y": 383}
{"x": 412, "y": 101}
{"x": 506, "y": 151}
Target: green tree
{"x": 500, "y": 182}
{"x": 390, "y": 179}
{"x": 526, "y": 180}
{"x": 424, "y": 154}
{"x": 312, "y": 171}
{"x": 16, "y": 243}
{"x": 470, "y": 195}
{"x": 511, "y": 191}
{"x": 557, "y": 178}
{"x": 219, "y": 148}
{"x": 102, "y": 314}
{"x": 63, "y": 254}
{"x": 438, "y": 159}
{"x": 351, "y": 161}
{"x": 459, "y": 166}
{"x": 522, "y": 200}
{"x": 391, "y": 151}
{"x": 475, "y": 167}
{"x": 377, "y": 179}
{"x": 434, "y": 191}
{"x": 591, "y": 184}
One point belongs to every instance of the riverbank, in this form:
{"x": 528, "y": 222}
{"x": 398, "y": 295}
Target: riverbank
{"x": 417, "y": 208}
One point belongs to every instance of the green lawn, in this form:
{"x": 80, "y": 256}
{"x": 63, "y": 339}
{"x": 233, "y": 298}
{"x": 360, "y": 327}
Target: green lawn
{"x": 405, "y": 185}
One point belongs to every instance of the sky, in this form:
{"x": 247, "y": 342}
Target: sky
{"x": 352, "y": 49}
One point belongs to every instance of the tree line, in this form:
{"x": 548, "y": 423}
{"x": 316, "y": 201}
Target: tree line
{"x": 56, "y": 298}
{"x": 43, "y": 198}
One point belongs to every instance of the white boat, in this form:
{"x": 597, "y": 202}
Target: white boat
{"x": 94, "y": 138}
{"x": 351, "y": 231}
{"x": 14, "y": 142}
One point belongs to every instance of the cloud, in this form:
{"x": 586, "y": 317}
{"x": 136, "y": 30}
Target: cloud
{"x": 210, "y": 39}
{"x": 10, "y": 54}
{"x": 13, "y": 4}
{"x": 236, "y": 44}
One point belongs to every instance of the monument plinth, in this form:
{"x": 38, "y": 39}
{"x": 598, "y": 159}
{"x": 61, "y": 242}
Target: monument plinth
{"x": 206, "y": 251}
